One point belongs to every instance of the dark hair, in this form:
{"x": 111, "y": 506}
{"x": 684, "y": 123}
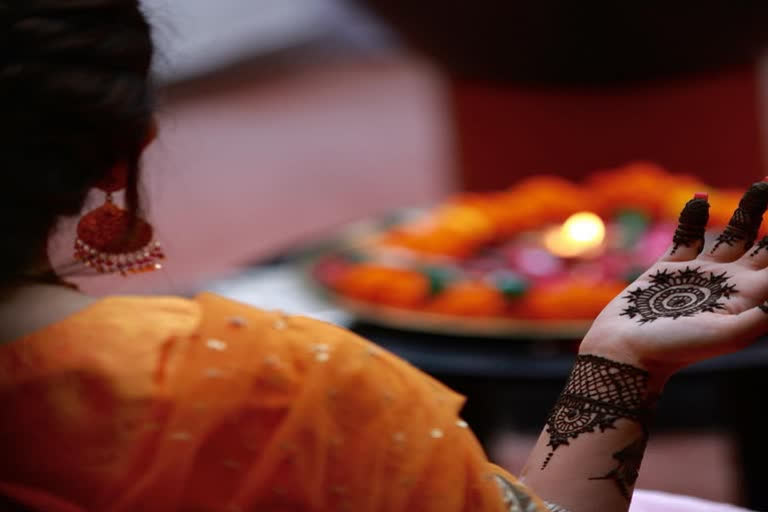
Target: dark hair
{"x": 76, "y": 101}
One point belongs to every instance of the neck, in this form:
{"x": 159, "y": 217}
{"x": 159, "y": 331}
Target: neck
{"x": 36, "y": 276}
{"x": 27, "y": 309}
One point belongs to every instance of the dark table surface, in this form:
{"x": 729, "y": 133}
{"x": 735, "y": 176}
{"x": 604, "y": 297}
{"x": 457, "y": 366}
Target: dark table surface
{"x": 498, "y": 358}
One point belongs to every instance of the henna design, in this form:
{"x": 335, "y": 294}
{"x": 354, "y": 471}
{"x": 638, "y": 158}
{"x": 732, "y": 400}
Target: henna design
{"x": 628, "y": 469}
{"x": 678, "y": 294}
{"x": 692, "y": 224}
{"x": 599, "y": 392}
{"x": 761, "y": 245}
{"x": 747, "y": 218}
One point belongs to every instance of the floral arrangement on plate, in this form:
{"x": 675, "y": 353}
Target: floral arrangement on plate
{"x": 540, "y": 258}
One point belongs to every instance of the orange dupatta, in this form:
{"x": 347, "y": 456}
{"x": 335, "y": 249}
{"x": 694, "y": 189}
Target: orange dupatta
{"x": 164, "y": 404}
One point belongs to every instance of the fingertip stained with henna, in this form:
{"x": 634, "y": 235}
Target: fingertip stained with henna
{"x": 746, "y": 220}
{"x": 692, "y": 224}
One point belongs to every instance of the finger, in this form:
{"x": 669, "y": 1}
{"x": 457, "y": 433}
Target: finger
{"x": 757, "y": 256}
{"x": 741, "y": 231}
{"x": 688, "y": 241}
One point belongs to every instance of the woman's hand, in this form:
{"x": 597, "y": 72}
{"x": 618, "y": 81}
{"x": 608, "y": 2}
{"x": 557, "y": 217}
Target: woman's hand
{"x": 701, "y": 299}
{"x": 692, "y": 304}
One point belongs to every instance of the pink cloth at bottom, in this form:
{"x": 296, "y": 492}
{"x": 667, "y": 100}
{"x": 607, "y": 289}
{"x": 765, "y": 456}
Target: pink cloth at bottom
{"x": 652, "y": 501}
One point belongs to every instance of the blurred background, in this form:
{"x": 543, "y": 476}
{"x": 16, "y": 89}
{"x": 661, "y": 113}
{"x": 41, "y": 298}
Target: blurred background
{"x": 283, "y": 120}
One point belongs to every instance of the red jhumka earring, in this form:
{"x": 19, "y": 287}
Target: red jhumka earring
{"x": 110, "y": 241}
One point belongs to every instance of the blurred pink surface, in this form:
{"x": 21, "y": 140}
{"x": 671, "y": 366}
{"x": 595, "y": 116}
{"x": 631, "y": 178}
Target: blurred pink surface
{"x": 650, "y": 501}
{"x": 248, "y": 165}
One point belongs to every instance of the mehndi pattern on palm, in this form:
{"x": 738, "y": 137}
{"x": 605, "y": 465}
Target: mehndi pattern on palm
{"x": 678, "y": 294}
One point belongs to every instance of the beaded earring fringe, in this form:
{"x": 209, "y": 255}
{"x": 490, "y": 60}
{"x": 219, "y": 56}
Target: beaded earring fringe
{"x": 124, "y": 263}
{"x": 110, "y": 241}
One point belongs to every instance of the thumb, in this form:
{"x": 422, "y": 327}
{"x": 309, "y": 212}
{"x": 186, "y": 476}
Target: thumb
{"x": 750, "y": 324}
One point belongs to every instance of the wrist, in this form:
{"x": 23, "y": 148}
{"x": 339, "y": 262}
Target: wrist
{"x": 658, "y": 374}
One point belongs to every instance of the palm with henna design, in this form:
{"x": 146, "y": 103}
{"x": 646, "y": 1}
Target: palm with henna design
{"x": 698, "y": 301}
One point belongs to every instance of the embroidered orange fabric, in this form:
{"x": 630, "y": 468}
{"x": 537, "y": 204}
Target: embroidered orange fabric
{"x": 165, "y": 404}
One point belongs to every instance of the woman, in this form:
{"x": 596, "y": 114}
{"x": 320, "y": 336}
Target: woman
{"x": 162, "y": 403}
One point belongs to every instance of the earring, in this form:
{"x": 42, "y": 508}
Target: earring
{"x": 110, "y": 241}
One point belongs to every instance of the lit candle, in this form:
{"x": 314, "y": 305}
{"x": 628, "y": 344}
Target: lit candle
{"x": 581, "y": 234}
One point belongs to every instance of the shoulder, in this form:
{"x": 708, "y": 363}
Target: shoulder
{"x": 275, "y": 330}
{"x": 297, "y": 335}
{"x": 308, "y": 344}
{"x": 121, "y": 342}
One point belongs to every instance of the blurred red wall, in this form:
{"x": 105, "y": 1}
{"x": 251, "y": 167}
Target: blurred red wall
{"x": 707, "y": 126}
